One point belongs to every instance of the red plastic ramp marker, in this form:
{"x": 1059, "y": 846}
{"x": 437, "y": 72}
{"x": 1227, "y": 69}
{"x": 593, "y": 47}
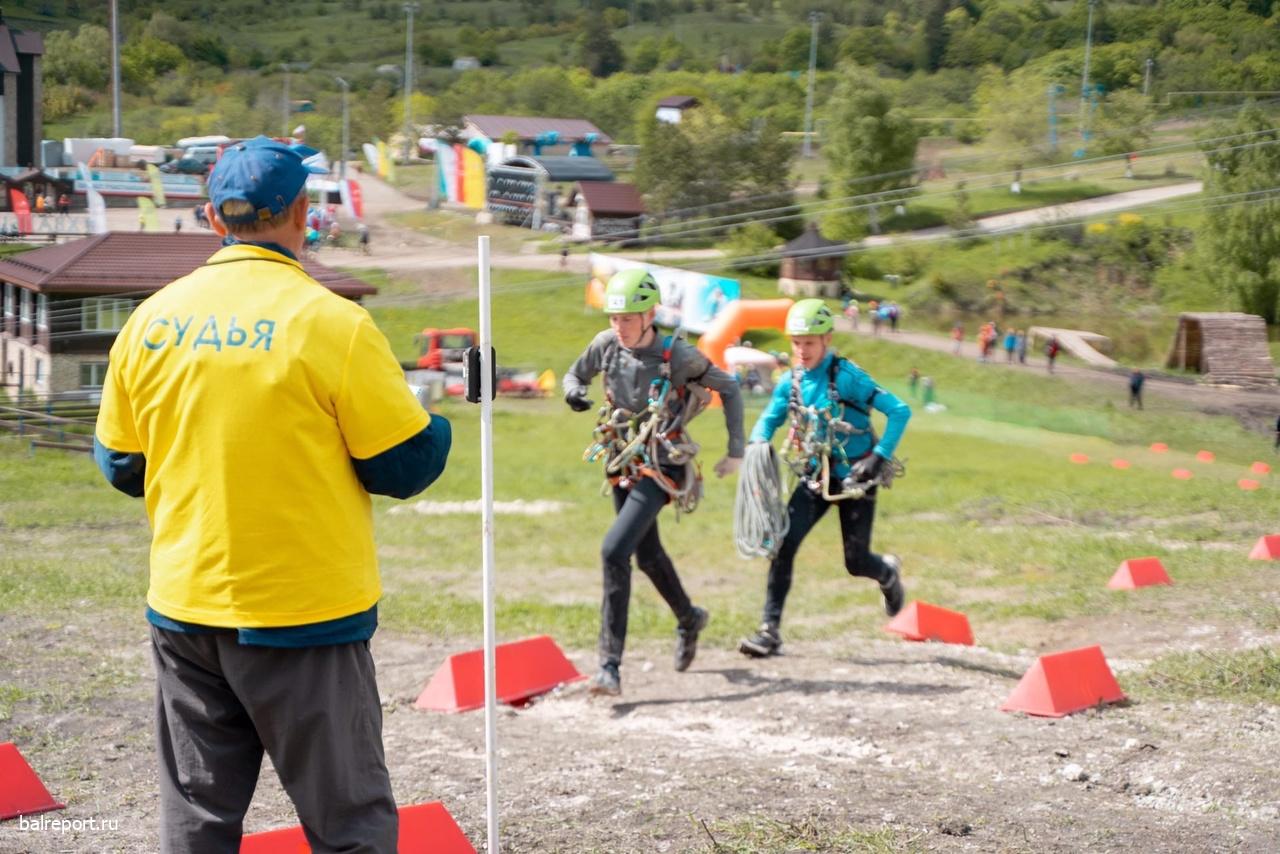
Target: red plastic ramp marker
{"x": 1260, "y": 468}
{"x": 1159, "y": 447}
{"x": 1139, "y": 572}
{"x": 21, "y": 792}
{"x": 1079, "y": 459}
{"x": 1120, "y": 464}
{"x": 526, "y": 668}
{"x": 1248, "y": 485}
{"x": 424, "y": 829}
{"x": 1181, "y": 474}
{"x": 920, "y": 621}
{"x": 1267, "y": 548}
{"x": 1205, "y": 456}
{"x": 1065, "y": 682}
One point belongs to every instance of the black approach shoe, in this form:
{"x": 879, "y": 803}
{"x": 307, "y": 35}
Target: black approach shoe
{"x": 895, "y": 595}
{"x": 764, "y": 643}
{"x": 687, "y": 638}
{"x": 607, "y": 682}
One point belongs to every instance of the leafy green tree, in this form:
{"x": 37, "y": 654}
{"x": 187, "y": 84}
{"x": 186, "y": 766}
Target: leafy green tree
{"x": 1123, "y": 123}
{"x": 82, "y": 59}
{"x": 669, "y": 172}
{"x": 597, "y": 50}
{"x": 870, "y": 146}
{"x": 1241, "y": 241}
{"x": 1014, "y": 110}
{"x": 145, "y": 59}
{"x": 709, "y": 160}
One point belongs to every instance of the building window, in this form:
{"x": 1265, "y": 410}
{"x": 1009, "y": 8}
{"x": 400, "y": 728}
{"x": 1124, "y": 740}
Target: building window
{"x": 42, "y": 311}
{"x": 92, "y": 374}
{"x": 104, "y": 314}
{"x": 25, "y": 304}
{"x": 39, "y": 371}
{"x": 10, "y": 297}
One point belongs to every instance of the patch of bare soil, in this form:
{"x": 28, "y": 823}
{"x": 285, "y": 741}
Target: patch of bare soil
{"x": 873, "y": 734}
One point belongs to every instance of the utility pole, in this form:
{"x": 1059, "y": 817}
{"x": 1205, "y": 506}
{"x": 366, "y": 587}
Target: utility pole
{"x": 807, "y": 150}
{"x": 346, "y": 129}
{"x": 115, "y": 70}
{"x": 1055, "y": 89}
{"x": 1146, "y": 78}
{"x": 1084, "y": 81}
{"x": 284, "y": 108}
{"x": 409, "y": 9}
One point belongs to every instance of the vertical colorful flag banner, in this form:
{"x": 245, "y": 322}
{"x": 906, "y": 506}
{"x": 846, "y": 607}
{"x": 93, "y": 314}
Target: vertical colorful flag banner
{"x": 22, "y": 208}
{"x": 147, "y": 214}
{"x": 157, "y": 185}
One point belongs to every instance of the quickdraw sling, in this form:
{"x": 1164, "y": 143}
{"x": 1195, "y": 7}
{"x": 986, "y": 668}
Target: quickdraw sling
{"x": 815, "y": 438}
{"x": 633, "y": 444}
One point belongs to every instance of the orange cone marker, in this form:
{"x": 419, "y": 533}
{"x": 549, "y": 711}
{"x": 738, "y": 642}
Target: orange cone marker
{"x": 1139, "y": 572}
{"x": 423, "y": 827}
{"x": 1065, "y": 682}
{"x": 920, "y": 621}
{"x": 21, "y": 792}
{"x": 525, "y": 669}
{"x": 1267, "y": 548}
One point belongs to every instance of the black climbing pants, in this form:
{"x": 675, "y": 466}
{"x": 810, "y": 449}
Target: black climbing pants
{"x": 635, "y": 532}
{"x": 803, "y": 511}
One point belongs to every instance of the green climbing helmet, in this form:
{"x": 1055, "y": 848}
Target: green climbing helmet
{"x": 631, "y": 292}
{"x": 810, "y": 317}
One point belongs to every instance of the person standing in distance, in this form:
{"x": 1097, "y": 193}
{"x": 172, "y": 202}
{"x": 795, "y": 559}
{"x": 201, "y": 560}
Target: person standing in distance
{"x": 256, "y": 411}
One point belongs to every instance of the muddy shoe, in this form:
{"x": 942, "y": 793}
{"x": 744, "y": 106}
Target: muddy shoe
{"x": 764, "y": 643}
{"x": 687, "y": 638}
{"x": 895, "y": 595}
{"x": 607, "y": 682}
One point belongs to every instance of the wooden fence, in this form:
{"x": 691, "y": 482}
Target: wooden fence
{"x": 64, "y": 426}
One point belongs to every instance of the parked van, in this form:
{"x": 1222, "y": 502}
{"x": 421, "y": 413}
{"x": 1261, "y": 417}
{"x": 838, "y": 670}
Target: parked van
{"x": 204, "y": 153}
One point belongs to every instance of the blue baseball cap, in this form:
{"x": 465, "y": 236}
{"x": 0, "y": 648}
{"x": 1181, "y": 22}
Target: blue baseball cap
{"x": 265, "y": 173}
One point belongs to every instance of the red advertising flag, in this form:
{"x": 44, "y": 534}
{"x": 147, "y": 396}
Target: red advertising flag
{"x": 357, "y": 201}
{"x": 18, "y": 201}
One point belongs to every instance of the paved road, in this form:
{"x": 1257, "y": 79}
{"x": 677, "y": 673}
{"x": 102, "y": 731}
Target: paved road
{"x": 403, "y": 250}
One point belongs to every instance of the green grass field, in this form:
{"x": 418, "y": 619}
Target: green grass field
{"x": 991, "y": 518}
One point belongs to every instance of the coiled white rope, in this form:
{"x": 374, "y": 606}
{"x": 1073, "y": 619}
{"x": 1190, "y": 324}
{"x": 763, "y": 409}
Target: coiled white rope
{"x": 760, "y": 520}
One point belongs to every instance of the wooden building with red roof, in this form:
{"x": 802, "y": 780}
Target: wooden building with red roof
{"x": 64, "y": 304}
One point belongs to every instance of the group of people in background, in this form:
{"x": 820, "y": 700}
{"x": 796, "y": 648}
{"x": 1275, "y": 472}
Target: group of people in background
{"x": 43, "y": 204}
{"x": 880, "y": 313}
{"x": 1014, "y": 342}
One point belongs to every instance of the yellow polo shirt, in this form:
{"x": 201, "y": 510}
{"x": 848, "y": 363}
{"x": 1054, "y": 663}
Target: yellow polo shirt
{"x": 249, "y": 387}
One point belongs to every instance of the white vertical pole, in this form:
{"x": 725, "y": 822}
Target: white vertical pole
{"x": 486, "y": 494}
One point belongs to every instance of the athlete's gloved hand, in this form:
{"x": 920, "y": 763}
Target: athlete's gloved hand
{"x": 867, "y": 468}
{"x": 578, "y": 400}
{"x": 727, "y": 466}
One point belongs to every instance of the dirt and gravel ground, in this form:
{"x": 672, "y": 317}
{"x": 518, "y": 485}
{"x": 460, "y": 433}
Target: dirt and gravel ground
{"x": 877, "y": 736}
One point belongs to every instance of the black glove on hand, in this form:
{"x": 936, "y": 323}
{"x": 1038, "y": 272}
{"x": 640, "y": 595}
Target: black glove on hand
{"x": 578, "y": 400}
{"x": 867, "y": 468}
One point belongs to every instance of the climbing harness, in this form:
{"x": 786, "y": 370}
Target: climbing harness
{"x": 633, "y": 444}
{"x": 815, "y": 438}
{"x": 760, "y": 520}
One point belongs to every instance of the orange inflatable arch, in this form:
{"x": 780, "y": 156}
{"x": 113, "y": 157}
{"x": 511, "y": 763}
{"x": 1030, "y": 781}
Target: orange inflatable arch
{"x": 737, "y": 317}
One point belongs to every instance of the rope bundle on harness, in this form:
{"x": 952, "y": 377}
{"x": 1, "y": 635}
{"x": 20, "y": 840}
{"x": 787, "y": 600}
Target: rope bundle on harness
{"x": 760, "y": 520}
{"x": 814, "y": 444}
{"x": 634, "y": 445}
